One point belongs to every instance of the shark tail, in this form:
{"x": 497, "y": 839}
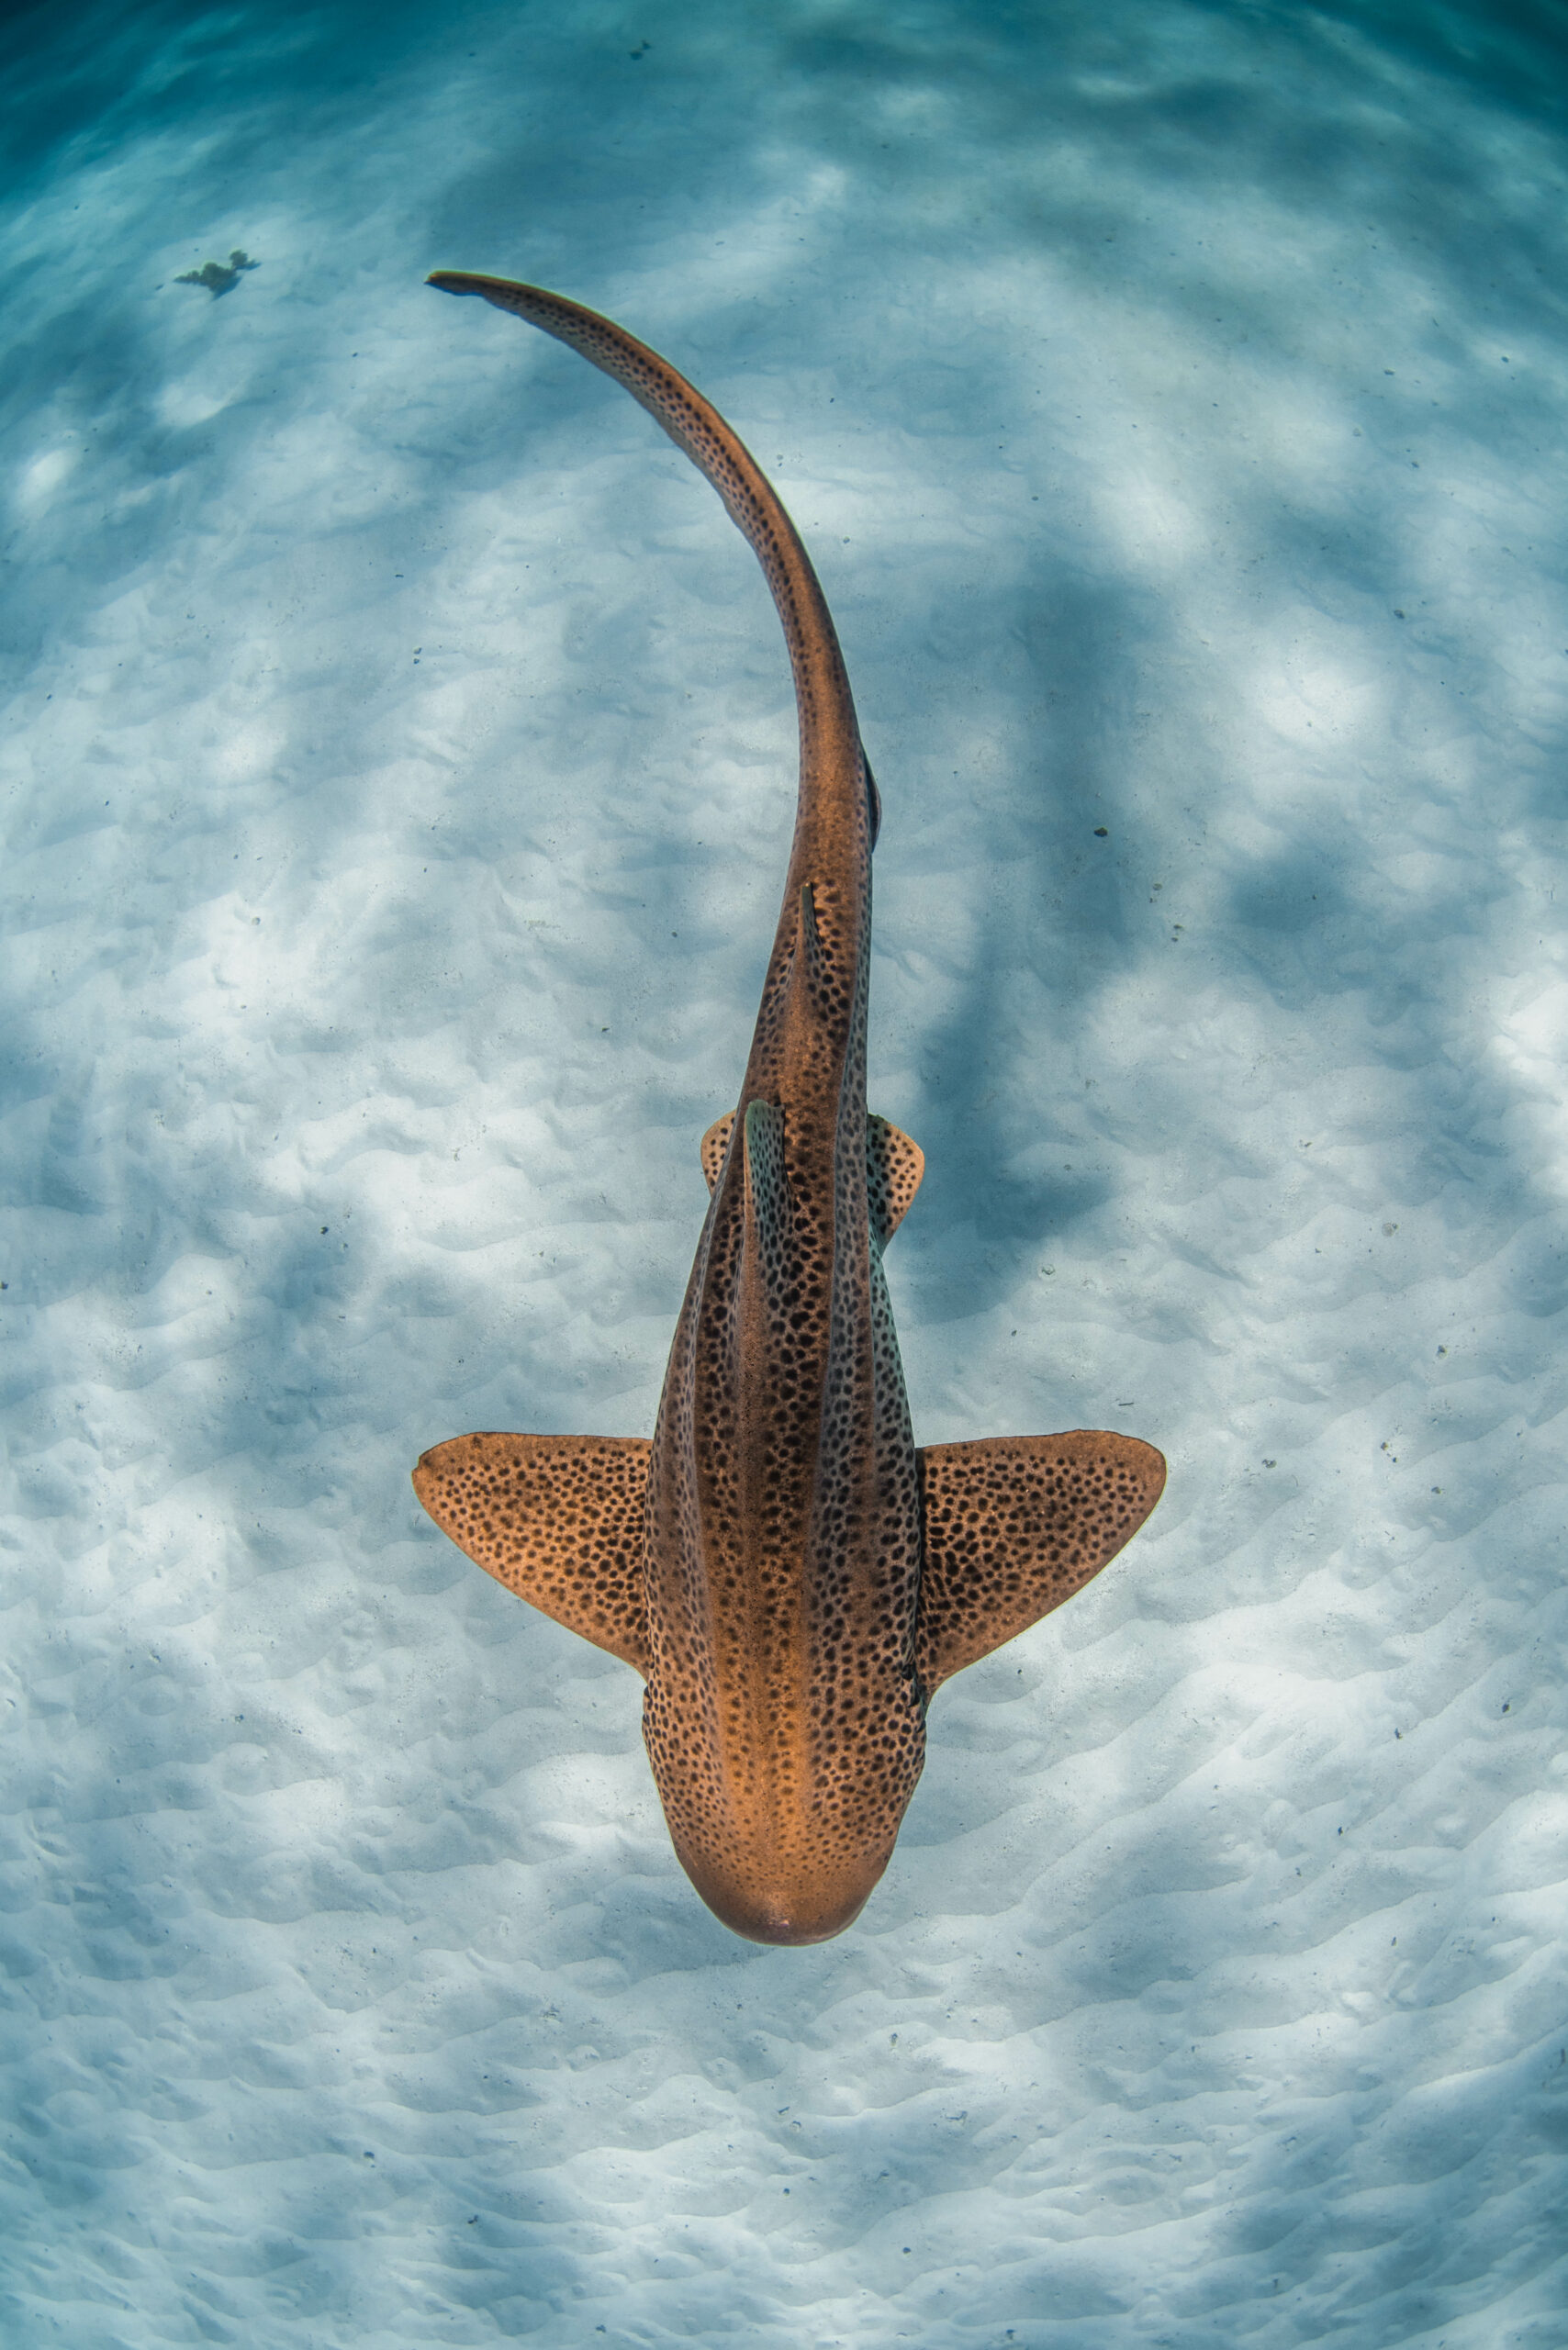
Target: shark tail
{"x": 722, "y": 458}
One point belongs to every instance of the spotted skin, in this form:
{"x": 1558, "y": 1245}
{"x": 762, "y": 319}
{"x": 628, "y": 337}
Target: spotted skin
{"x": 789, "y": 1575}
{"x": 558, "y": 1519}
{"x": 1016, "y": 1524}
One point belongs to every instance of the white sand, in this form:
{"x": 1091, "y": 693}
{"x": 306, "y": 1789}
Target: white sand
{"x": 396, "y": 768}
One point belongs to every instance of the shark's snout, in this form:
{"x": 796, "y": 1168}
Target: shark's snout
{"x": 787, "y": 1923}
{"x": 789, "y": 1909}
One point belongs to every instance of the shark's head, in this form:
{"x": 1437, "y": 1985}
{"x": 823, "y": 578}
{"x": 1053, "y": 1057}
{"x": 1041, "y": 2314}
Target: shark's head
{"x": 784, "y": 1906}
{"x": 783, "y": 1853}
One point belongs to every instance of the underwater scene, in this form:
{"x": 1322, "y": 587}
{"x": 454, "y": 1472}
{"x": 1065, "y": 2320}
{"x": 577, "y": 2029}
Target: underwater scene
{"x": 398, "y": 775}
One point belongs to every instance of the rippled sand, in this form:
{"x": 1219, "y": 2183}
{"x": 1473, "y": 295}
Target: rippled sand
{"x": 396, "y": 773}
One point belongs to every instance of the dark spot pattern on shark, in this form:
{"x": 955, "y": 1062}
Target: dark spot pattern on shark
{"x": 789, "y": 1575}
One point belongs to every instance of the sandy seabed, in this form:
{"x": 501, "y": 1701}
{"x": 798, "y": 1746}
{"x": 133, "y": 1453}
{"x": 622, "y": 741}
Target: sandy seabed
{"x": 397, "y": 770}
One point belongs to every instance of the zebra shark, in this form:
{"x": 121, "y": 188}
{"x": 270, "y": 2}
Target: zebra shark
{"x": 790, "y": 1575}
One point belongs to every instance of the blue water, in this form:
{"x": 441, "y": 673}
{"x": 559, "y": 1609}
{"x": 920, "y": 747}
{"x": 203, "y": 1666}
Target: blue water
{"x": 397, "y": 770}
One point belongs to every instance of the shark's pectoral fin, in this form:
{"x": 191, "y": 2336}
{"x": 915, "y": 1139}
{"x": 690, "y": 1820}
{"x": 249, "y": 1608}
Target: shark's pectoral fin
{"x": 558, "y": 1519}
{"x": 894, "y": 1166}
{"x": 1016, "y": 1524}
{"x": 715, "y": 1144}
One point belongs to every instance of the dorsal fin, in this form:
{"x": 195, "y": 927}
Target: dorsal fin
{"x": 808, "y": 940}
{"x": 558, "y": 1519}
{"x": 894, "y": 1166}
{"x": 766, "y": 1196}
{"x": 873, "y": 798}
{"x": 715, "y": 1144}
{"x": 1016, "y": 1524}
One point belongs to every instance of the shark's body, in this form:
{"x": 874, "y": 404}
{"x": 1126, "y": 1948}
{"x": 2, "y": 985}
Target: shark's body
{"x": 791, "y": 1577}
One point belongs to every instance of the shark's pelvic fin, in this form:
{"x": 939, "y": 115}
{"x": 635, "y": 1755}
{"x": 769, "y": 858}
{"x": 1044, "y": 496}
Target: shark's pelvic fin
{"x": 1014, "y": 1525}
{"x": 716, "y": 1142}
{"x": 558, "y": 1519}
{"x": 894, "y": 1166}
